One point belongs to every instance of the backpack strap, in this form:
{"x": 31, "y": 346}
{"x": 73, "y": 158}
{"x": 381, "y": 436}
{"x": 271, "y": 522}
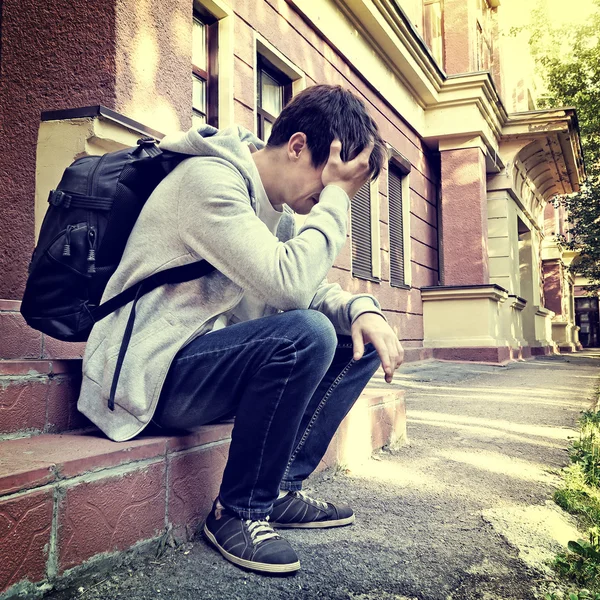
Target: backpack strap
{"x": 70, "y": 199}
{"x": 179, "y": 274}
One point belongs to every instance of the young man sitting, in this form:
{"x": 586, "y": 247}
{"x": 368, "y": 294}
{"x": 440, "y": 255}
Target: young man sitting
{"x": 264, "y": 337}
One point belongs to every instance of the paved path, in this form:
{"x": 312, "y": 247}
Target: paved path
{"x": 462, "y": 512}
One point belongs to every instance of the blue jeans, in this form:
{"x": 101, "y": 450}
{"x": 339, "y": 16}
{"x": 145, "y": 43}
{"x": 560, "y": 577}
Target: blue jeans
{"x": 289, "y": 379}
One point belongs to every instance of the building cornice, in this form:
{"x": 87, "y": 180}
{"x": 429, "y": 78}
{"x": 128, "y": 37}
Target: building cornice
{"x": 378, "y": 39}
{"x": 465, "y": 292}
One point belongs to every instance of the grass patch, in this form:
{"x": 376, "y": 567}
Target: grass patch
{"x": 580, "y": 496}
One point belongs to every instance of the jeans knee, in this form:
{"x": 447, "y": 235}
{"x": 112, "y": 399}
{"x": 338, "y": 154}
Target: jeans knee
{"x": 316, "y": 331}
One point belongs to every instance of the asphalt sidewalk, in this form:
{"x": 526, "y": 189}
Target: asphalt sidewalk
{"x": 462, "y": 512}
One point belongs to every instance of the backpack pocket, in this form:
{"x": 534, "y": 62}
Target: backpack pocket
{"x": 57, "y": 289}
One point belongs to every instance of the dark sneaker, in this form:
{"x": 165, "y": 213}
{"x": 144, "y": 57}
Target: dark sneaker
{"x": 297, "y": 510}
{"x": 249, "y": 543}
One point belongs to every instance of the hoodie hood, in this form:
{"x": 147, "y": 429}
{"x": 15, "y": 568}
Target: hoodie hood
{"x": 229, "y": 144}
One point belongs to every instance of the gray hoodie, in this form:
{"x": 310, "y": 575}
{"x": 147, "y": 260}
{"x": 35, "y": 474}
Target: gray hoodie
{"x": 206, "y": 209}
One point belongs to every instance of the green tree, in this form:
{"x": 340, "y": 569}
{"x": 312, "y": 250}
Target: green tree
{"x": 569, "y": 59}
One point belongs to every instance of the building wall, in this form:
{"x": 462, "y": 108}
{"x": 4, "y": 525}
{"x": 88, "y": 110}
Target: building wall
{"x": 135, "y": 57}
{"x": 55, "y": 53}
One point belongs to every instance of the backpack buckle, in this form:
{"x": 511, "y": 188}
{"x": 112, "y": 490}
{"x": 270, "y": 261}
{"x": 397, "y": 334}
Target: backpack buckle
{"x": 147, "y": 141}
{"x": 59, "y": 198}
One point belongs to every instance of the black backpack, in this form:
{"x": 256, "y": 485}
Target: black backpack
{"x": 82, "y": 239}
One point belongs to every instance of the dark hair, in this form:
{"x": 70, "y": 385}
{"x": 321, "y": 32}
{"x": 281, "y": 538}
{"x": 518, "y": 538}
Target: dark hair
{"x": 326, "y": 112}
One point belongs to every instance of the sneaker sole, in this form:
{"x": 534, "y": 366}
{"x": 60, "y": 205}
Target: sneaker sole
{"x": 315, "y": 524}
{"x": 249, "y": 564}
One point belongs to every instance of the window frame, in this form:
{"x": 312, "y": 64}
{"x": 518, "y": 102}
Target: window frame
{"x": 210, "y": 76}
{"x": 402, "y": 166}
{"x": 263, "y": 64}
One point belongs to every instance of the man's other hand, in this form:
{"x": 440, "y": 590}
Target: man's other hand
{"x": 371, "y": 327}
{"x": 351, "y": 175}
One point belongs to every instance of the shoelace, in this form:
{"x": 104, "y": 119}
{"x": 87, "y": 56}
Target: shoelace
{"x": 317, "y": 503}
{"x": 260, "y": 531}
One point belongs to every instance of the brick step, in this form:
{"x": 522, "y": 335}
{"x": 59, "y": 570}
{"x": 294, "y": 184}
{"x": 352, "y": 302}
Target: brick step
{"x": 39, "y": 396}
{"x": 65, "y": 499}
{"x": 18, "y": 341}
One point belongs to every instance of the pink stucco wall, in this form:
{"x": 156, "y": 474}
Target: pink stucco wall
{"x": 553, "y": 293}
{"x": 464, "y": 251}
{"x": 55, "y": 54}
{"x": 458, "y": 36}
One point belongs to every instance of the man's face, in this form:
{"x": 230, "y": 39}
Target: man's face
{"x": 303, "y": 183}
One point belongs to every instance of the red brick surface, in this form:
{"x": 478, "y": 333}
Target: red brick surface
{"x": 25, "y": 367}
{"x": 491, "y": 355}
{"x": 74, "y": 454}
{"x": 119, "y": 511}
{"x": 25, "y": 524}
{"x": 207, "y": 434}
{"x": 194, "y": 480}
{"x": 62, "y": 413}
{"x": 22, "y": 404}
{"x": 20, "y": 471}
{"x": 17, "y": 339}
{"x": 383, "y": 418}
{"x": 56, "y": 349}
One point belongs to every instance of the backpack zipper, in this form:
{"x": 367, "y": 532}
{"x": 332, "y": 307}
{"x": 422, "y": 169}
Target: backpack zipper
{"x": 93, "y": 175}
{"x": 67, "y": 246}
{"x": 91, "y": 257}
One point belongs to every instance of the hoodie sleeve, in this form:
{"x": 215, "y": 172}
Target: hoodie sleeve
{"x": 343, "y": 308}
{"x": 217, "y": 222}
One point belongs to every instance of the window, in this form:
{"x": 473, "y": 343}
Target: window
{"x": 274, "y": 91}
{"x": 204, "y": 69}
{"x": 484, "y": 38}
{"x": 432, "y": 28}
{"x": 361, "y": 233}
{"x": 396, "y": 223}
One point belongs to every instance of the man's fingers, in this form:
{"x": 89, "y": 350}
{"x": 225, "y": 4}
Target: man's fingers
{"x": 384, "y": 357}
{"x": 358, "y": 344}
{"x": 335, "y": 149}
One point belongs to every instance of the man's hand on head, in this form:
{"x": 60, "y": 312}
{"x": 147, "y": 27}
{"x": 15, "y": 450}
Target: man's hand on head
{"x": 351, "y": 175}
{"x": 371, "y": 327}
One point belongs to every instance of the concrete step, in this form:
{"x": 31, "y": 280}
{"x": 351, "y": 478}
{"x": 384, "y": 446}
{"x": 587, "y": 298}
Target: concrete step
{"x": 39, "y": 396}
{"x": 69, "y": 500}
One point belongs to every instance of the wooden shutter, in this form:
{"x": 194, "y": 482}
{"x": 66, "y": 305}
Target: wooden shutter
{"x": 360, "y": 216}
{"x": 396, "y": 227}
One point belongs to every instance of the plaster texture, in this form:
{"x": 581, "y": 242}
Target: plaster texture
{"x": 464, "y": 217}
{"x": 54, "y": 53}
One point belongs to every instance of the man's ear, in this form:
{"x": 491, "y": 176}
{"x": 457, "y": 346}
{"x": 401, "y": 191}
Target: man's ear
{"x": 296, "y": 145}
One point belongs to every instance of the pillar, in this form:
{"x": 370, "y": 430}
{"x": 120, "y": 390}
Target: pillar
{"x": 464, "y": 218}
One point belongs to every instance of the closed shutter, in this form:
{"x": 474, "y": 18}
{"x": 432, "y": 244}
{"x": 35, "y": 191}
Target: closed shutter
{"x": 396, "y": 227}
{"x": 360, "y": 216}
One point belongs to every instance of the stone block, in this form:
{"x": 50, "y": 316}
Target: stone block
{"x": 22, "y": 404}
{"x": 25, "y": 526}
{"x": 56, "y": 349}
{"x": 207, "y": 434}
{"x": 20, "y": 471}
{"x": 17, "y": 339}
{"x": 62, "y": 413}
{"x": 119, "y": 511}
{"x": 73, "y": 454}
{"x": 243, "y": 83}
{"x": 194, "y": 481}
